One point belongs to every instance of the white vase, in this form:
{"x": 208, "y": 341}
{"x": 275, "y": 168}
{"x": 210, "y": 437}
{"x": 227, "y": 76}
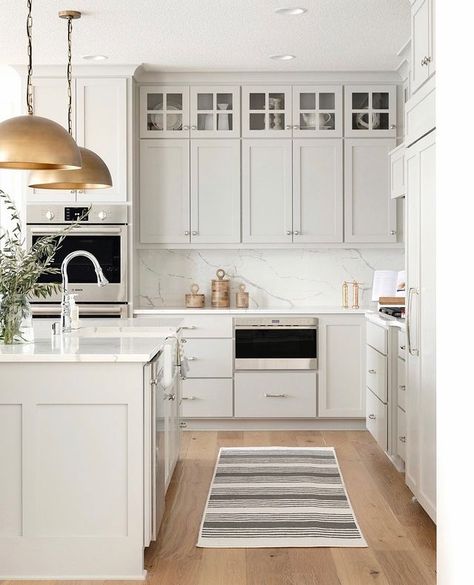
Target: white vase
{"x": 222, "y": 119}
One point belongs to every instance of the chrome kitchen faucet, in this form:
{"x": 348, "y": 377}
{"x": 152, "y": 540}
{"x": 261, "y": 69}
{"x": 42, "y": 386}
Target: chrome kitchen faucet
{"x": 66, "y": 295}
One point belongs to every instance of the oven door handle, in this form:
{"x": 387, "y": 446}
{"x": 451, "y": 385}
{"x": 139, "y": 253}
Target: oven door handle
{"x": 47, "y": 231}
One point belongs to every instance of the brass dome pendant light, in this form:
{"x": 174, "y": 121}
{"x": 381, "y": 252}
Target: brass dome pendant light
{"x": 94, "y": 173}
{"x": 33, "y": 142}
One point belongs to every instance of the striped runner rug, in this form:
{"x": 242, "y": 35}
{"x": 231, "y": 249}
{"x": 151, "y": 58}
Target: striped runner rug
{"x": 278, "y": 497}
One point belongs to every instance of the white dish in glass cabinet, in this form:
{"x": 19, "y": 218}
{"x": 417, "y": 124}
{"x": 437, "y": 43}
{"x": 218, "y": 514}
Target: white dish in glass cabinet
{"x": 317, "y": 111}
{"x": 215, "y": 112}
{"x": 266, "y": 112}
{"x": 164, "y": 111}
{"x": 370, "y": 111}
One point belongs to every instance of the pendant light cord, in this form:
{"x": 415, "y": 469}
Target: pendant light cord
{"x": 29, "y": 89}
{"x": 69, "y": 75}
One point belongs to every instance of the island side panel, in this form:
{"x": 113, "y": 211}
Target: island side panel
{"x": 71, "y": 456}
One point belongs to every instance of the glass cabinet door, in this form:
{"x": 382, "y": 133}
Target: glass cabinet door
{"x": 164, "y": 112}
{"x": 266, "y": 112}
{"x": 317, "y": 111}
{"x": 215, "y": 112}
{"x": 371, "y": 111}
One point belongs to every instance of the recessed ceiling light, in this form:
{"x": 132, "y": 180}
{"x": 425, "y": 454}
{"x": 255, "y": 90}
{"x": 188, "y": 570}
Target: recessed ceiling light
{"x": 282, "y": 57}
{"x": 95, "y": 57}
{"x": 296, "y": 11}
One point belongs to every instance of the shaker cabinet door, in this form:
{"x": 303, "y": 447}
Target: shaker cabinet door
{"x": 102, "y": 127}
{"x": 317, "y": 190}
{"x": 164, "y": 111}
{"x": 422, "y": 43}
{"x": 266, "y": 112}
{"x": 215, "y": 191}
{"x": 317, "y": 111}
{"x": 164, "y": 191}
{"x": 370, "y": 111}
{"x": 215, "y": 112}
{"x": 370, "y": 213}
{"x": 267, "y": 191}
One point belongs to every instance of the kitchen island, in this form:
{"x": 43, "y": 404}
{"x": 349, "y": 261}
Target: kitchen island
{"x": 79, "y": 496}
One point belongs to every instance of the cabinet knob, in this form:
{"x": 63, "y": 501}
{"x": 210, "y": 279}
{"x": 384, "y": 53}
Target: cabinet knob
{"x": 372, "y": 371}
{"x": 393, "y": 126}
{"x": 153, "y": 382}
{"x": 428, "y": 60}
{"x": 288, "y": 232}
{"x": 372, "y": 416}
{"x": 296, "y": 127}
{"x": 296, "y": 233}
{"x": 191, "y": 359}
{"x": 403, "y": 439}
{"x": 393, "y": 233}
{"x": 72, "y": 191}
{"x": 193, "y": 127}
{"x": 402, "y": 387}
{"x": 185, "y": 127}
{"x": 194, "y": 233}
{"x": 288, "y": 127}
{"x": 403, "y": 347}
{"x": 186, "y": 233}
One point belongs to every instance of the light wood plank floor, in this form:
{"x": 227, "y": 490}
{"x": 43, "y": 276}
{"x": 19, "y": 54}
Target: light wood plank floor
{"x": 400, "y": 535}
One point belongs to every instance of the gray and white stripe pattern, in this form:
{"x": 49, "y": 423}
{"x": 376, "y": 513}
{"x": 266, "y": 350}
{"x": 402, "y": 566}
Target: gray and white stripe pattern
{"x": 278, "y": 497}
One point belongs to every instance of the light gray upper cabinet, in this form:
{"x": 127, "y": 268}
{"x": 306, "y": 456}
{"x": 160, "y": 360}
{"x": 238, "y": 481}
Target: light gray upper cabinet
{"x": 164, "y": 111}
{"x": 266, "y": 111}
{"x": 422, "y": 42}
{"x": 267, "y": 191}
{"x": 317, "y": 111}
{"x": 50, "y": 101}
{"x": 370, "y": 213}
{"x": 164, "y": 191}
{"x": 102, "y": 127}
{"x": 215, "y": 112}
{"x": 317, "y": 190}
{"x": 215, "y": 191}
{"x": 370, "y": 111}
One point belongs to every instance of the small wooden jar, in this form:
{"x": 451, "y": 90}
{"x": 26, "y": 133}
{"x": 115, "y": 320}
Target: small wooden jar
{"x": 220, "y": 291}
{"x": 242, "y": 298}
{"x": 193, "y": 300}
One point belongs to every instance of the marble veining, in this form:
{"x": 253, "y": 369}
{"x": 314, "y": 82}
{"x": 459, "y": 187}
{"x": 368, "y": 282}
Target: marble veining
{"x": 274, "y": 278}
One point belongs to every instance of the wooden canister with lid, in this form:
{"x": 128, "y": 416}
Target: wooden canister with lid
{"x": 242, "y": 298}
{"x": 193, "y": 300}
{"x": 220, "y": 291}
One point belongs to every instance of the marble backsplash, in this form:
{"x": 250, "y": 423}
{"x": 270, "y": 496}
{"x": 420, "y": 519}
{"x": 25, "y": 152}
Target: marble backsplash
{"x": 274, "y": 278}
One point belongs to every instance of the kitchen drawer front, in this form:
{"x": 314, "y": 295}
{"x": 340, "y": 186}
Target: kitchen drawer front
{"x": 377, "y": 373}
{"x": 275, "y": 394}
{"x": 206, "y": 326}
{"x": 209, "y": 358}
{"x": 401, "y": 384}
{"x": 401, "y": 433}
{"x": 402, "y": 344}
{"x": 377, "y": 337}
{"x": 206, "y": 398}
{"x": 377, "y": 419}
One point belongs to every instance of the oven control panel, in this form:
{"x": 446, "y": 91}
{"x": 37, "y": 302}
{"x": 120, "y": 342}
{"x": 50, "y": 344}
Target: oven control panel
{"x": 76, "y": 213}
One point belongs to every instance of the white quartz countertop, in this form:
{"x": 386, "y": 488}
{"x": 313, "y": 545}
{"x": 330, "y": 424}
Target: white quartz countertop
{"x": 321, "y": 310}
{"x": 98, "y": 340}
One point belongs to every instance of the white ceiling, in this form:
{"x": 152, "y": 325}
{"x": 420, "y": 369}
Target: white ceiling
{"x": 213, "y": 35}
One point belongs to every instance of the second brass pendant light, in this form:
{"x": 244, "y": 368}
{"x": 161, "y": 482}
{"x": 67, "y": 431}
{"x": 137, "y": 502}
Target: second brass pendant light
{"x": 94, "y": 173}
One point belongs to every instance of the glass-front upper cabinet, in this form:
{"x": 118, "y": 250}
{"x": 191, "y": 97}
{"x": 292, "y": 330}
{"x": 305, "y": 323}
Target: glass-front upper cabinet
{"x": 266, "y": 112}
{"x": 371, "y": 110}
{"x": 164, "y": 111}
{"x": 215, "y": 112}
{"x": 317, "y": 111}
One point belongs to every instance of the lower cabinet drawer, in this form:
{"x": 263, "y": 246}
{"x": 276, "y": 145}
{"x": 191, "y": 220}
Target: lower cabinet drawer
{"x": 401, "y": 384}
{"x": 377, "y": 373}
{"x": 206, "y": 398}
{"x": 275, "y": 394}
{"x": 377, "y": 419}
{"x": 209, "y": 358}
{"x": 377, "y": 337}
{"x": 206, "y": 326}
{"x": 401, "y": 433}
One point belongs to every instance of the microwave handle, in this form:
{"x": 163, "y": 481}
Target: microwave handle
{"x": 47, "y": 231}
